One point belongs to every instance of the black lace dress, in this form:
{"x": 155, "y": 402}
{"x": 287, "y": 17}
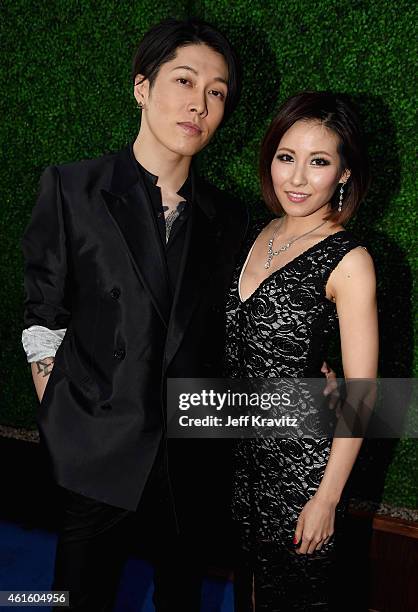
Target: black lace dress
{"x": 282, "y": 330}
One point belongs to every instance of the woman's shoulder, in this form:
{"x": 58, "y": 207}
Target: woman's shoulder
{"x": 357, "y": 256}
{"x": 347, "y": 240}
{"x": 354, "y": 258}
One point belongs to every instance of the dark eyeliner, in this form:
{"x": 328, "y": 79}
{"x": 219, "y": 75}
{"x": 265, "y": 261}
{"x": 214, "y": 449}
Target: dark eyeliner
{"x": 321, "y": 159}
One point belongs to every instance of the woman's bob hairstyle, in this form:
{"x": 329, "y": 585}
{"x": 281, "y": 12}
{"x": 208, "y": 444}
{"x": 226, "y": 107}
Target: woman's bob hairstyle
{"x": 335, "y": 112}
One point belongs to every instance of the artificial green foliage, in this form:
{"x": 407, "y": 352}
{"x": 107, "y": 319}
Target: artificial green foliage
{"x": 67, "y": 95}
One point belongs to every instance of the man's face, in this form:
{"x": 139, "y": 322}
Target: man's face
{"x": 186, "y": 103}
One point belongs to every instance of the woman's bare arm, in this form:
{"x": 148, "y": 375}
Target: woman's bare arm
{"x": 353, "y": 285}
{"x": 354, "y": 289}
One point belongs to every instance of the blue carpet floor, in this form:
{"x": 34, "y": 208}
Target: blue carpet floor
{"x": 27, "y": 560}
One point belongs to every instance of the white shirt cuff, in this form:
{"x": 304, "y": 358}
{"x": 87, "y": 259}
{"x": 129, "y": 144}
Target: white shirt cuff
{"x": 40, "y": 342}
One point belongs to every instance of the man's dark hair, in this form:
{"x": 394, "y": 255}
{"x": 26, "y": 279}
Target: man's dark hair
{"x": 336, "y": 112}
{"x": 159, "y": 45}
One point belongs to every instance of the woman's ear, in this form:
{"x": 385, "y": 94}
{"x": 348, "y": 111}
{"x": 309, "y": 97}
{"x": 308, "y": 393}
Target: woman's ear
{"x": 345, "y": 176}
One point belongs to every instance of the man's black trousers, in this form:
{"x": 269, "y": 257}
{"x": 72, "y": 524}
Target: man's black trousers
{"x": 95, "y": 540}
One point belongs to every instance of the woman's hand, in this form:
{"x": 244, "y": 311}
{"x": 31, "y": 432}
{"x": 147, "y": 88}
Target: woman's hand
{"x": 315, "y": 525}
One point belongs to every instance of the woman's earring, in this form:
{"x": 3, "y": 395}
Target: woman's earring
{"x": 340, "y": 203}
{"x": 140, "y": 105}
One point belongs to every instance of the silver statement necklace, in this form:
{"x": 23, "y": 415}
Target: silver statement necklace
{"x": 286, "y": 246}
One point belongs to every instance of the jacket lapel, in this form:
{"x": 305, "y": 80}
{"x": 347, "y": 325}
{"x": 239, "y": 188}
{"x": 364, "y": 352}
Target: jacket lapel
{"x": 203, "y": 233}
{"x": 131, "y": 211}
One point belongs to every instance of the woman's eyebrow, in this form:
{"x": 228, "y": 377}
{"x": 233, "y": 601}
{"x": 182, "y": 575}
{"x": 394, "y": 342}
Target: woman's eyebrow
{"x": 312, "y": 152}
{"x": 321, "y": 153}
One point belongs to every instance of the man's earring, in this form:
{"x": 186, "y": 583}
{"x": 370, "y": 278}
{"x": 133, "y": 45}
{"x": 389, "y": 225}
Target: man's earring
{"x": 340, "y": 203}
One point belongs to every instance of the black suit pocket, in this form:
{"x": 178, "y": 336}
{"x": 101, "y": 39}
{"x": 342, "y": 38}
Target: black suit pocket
{"x": 72, "y": 362}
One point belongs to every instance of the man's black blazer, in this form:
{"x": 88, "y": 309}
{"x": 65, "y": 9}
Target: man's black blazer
{"x": 94, "y": 264}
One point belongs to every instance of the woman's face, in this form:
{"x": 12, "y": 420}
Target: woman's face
{"x": 306, "y": 168}
{"x": 186, "y": 103}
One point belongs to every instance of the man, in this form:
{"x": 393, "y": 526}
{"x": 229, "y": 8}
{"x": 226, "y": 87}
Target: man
{"x": 127, "y": 260}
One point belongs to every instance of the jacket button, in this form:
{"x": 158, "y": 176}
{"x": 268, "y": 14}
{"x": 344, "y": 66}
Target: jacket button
{"x": 106, "y": 407}
{"x": 115, "y": 293}
{"x": 119, "y": 354}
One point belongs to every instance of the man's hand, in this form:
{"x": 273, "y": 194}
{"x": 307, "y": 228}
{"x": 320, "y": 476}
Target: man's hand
{"x": 40, "y": 373}
{"x": 331, "y": 388}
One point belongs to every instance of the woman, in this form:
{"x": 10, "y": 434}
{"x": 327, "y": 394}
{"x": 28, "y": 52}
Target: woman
{"x": 299, "y": 277}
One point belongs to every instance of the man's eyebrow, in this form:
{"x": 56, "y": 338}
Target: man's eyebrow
{"x": 186, "y": 68}
{"x": 218, "y": 79}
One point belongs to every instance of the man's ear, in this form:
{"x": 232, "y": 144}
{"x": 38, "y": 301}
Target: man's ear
{"x": 345, "y": 176}
{"x": 141, "y": 89}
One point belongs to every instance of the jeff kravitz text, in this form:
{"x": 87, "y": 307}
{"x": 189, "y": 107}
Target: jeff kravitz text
{"x": 242, "y": 421}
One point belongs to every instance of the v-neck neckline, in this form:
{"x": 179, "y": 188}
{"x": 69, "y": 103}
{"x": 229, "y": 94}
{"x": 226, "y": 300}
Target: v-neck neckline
{"x": 286, "y": 265}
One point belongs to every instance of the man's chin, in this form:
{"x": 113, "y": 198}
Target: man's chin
{"x": 188, "y": 150}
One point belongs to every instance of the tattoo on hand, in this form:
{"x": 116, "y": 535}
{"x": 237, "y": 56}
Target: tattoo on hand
{"x": 45, "y": 366}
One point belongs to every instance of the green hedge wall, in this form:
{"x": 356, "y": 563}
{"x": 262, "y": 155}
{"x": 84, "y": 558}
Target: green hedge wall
{"x": 67, "y": 95}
